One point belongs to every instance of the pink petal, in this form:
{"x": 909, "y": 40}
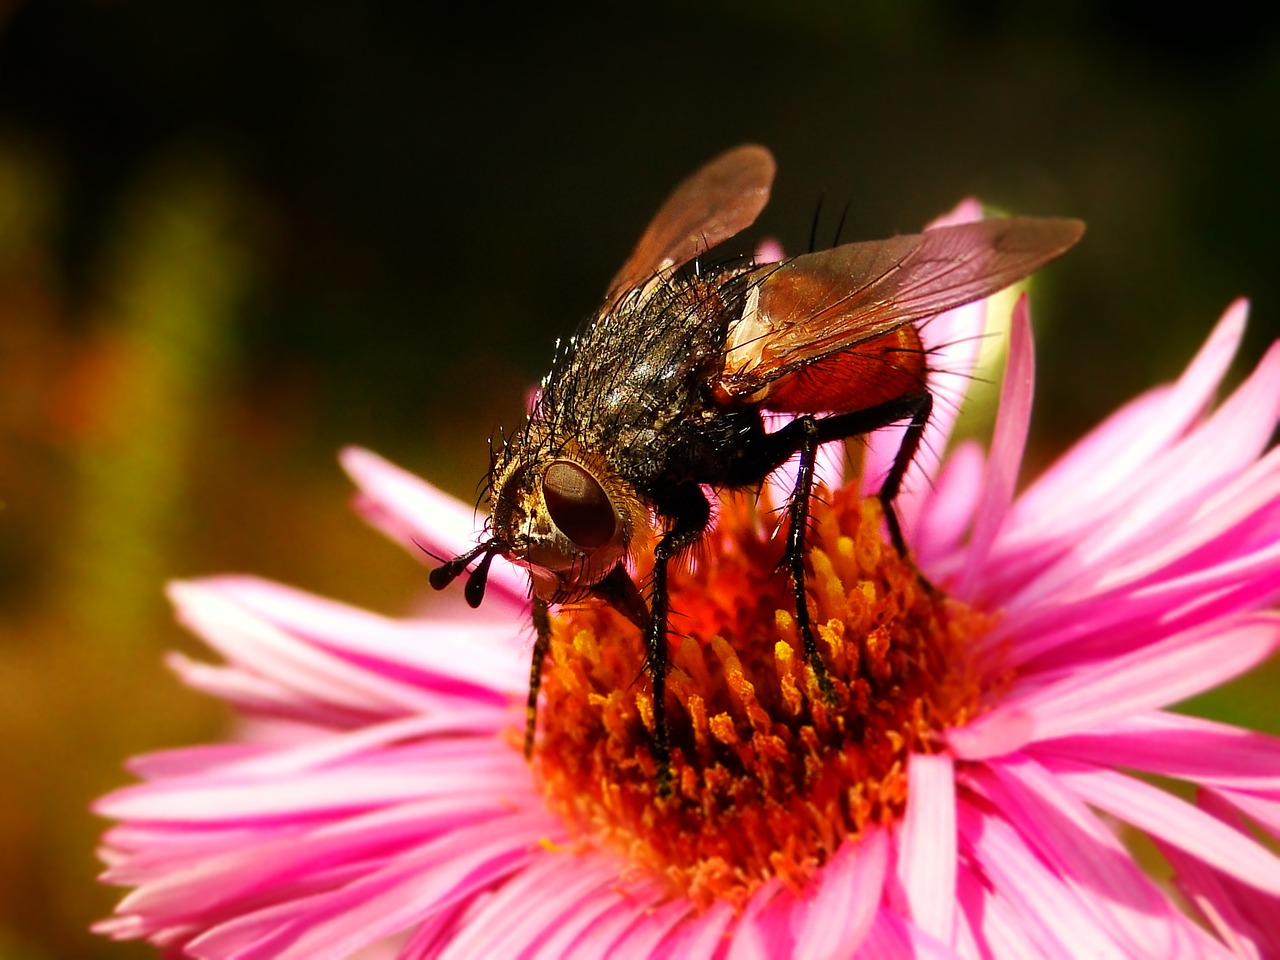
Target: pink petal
{"x": 594, "y": 927}
{"x": 636, "y": 932}
{"x": 699, "y": 937}
{"x": 1183, "y": 747}
{"x": 768, "y": 250}
{"x": 1013, "y": 419}
{"x": 1104, "y": 462}
{"x": 387, "y": 777}
{"x": 1210, "y": 574}
{"x": 221, "y": 879}
{"x": 1004, "y": 730}
{"x": 849, "y": 891}
{"x": 504, "y": 926}
{"x": 1084, "y": 853}
{"x": 1052, "y": 914}
{"x": 1213, "y": 454}
{"x": 334, "y": 924}
{"x": 893, "y": 938}
{"x": 1147, "y": 679}
{"x": 763, "y": 930}
{"x": 1002, "y": 932}
{"x": 1167, "y": 490}
{"x": 946, "y": 514}
{"x": 313, "y": 675}
{"x": 966, "y": 211}
{"x": 1092, "y": 484}
{"x": 927, "y": 851}
{"x": 952, "y": 341}
{"x": 404, "y": 743}
{"x": 252, "y": 694}
{"x": 183, "y": 761}
{"x": 423, "y": 518}
{"x": 1262, "y": 810}
{"x": 1178, "y": 823}
{"x": 1222, "y": 525}
{"x": 1221, "y": 901}
{"x": 1254, "y": 916}
{"x": 485, "y": 653}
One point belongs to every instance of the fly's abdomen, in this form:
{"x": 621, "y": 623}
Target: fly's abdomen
{"x": 877, "y": 371}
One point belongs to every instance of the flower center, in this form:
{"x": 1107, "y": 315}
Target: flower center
{"x": 769, "y": 776}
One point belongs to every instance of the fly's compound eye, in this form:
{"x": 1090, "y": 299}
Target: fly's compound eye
{"x": 578, "y": 505}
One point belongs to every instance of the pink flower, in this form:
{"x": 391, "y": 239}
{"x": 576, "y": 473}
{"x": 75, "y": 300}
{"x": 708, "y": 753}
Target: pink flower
{"x": 970, "y": 806}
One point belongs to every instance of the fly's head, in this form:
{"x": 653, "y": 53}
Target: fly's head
{"x": 563, "y": 514}
{"x": 567, "y": 518}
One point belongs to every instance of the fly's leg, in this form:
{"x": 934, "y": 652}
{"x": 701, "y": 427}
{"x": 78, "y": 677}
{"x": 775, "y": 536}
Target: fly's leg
{"x": 619, "y": 590}
{"x": 690, "y": 513}
{"x": 805, "y": 435}
{"x": 915, "y": 407}
{"x": 902, "y": 460}
{"x": 542, "y": 625}
{"x": 798, "y": 522}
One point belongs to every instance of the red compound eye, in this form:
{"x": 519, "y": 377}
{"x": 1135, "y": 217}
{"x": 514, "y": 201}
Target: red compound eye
{"x": 578, "y": 505}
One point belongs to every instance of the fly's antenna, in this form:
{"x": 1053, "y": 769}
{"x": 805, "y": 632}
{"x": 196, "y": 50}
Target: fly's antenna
{"x": 450, "y": 570}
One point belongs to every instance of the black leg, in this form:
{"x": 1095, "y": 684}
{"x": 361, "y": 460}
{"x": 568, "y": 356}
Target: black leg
{"x": 542, "y": 624}
{"x": 690, "y": 512}
{"x": 781, "y": 444}
{"x": 620, "y": 591}
{"x": 798, "y": 517}
{"x": 805, "y": 435}
{"x": 901, "y": 461}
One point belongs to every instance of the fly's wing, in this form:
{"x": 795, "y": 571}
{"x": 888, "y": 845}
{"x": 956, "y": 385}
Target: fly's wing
{"x": 823, "y": 303}
{"x": 717, "y": 202}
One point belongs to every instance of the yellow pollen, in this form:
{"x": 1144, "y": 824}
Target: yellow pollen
{"x": 769, "y": 777}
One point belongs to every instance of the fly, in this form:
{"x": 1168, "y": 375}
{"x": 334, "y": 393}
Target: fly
{"x": 662, "y": 394}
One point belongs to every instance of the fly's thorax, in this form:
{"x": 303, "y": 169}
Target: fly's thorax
{"x": 565, "y": 516}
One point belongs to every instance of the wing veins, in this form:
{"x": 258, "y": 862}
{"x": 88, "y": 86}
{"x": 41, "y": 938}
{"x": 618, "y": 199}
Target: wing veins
{"x": 980, "y": 253}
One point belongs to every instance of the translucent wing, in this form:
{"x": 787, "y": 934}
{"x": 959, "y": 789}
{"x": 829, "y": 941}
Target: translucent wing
{"x": 717, "y": 202}
{"x": 821, "y": 304}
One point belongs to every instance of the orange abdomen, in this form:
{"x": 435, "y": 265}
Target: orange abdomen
{"x": 868, "y": 373}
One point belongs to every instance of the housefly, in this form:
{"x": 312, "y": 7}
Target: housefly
{"x": 661, "y": 394}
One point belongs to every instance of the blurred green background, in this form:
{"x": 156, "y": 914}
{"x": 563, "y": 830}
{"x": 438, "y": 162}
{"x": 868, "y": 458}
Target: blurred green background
{"x": 235, "y": 236}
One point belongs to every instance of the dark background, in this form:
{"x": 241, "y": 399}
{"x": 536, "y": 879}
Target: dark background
{"x": 235, "y": 236}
